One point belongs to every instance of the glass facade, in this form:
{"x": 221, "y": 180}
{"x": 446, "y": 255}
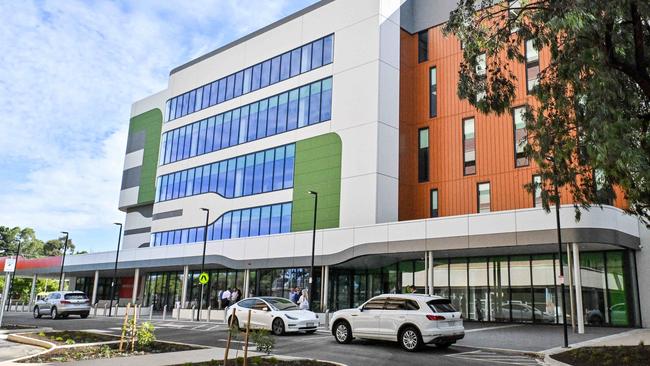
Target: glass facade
{"x": 256, "y": 221}
{"x": 258, "y": 172}
{"x": 300, "y": 107}
{"x": 520, "y": 288}
{"x": 300, "y": 60}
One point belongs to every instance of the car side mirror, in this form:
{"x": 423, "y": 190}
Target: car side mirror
{"x": 361, "y": 309}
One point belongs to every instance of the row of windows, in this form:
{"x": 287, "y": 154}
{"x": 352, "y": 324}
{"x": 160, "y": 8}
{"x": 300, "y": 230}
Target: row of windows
{"x": 288, "y": 111}
{"x": 263, "y": 171}
{"x": 256, "y": 221}
{"x": 483, "y": 195}
{"x": 295, "y": 62}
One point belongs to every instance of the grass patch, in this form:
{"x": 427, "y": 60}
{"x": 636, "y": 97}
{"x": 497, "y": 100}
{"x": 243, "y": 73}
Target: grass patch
{"x": 606, "y": 356}
{"x": 260, "y": 361}
{"x": 104, "y": 351}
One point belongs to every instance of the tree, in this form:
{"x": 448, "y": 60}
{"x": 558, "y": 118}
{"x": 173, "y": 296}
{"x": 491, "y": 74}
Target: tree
{"x": 55, "y": 247}
{"x": 30, "y": 246}
{"x": 588, "y": 123}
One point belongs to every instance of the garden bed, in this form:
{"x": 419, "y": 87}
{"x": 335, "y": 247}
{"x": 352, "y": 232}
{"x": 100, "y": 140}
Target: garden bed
{"x": 71, "y": 337}
{"x": 261, "y": 361}
{"x": 606, "y": 356}
{"x": 79, "y": 353}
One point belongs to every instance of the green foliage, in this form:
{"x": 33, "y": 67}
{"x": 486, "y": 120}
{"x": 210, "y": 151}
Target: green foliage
{"x": 70, "y": 341}
{"x": 590, "y": 111}
{"x": 146, "y": 336}
{"x": 263, "y": 340}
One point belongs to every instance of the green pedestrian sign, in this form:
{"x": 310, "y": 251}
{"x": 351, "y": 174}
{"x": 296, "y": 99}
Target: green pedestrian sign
{"x": 204, "y": 278}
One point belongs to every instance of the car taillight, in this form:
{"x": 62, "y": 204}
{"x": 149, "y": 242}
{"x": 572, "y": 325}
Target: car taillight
{"x": 65, "y": 302}
{"x": 435, "y": 317}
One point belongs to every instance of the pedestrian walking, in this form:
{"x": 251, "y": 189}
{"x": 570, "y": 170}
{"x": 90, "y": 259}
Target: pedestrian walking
{"x": 303, "y": 302}
{"x": 225, "y": 298}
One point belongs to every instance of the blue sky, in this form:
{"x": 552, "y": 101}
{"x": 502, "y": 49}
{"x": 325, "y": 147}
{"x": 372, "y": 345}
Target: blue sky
{"x": 69, "y": 71}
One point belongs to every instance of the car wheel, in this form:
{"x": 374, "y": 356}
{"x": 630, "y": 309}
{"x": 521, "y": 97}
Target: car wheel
{"x": 277, "y": 327}
{"x": 443, "y": 345}
{"x": 342, "y": 332}
{"x": 84, "y": 315}
{"x": 37, "y": 313}
{"x": 410, "y": 339}
{"x": 54, "y": 313}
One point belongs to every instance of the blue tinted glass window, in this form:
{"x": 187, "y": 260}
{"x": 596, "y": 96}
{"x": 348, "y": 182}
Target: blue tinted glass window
{"x": 198, "y": 174}
{"x": 158, "y": 181}
{"x": 285, "y": 66}
{"x": 234, "y": 131}
{"x": 326, "y": 100}
{"x": 286, "y": 218}
{"x": 205, "y": 103}
{"x": 303, "y": 107}
{"x": 261, "y": 119}
{"x": 266, "y": 74}
{"x": 209, "y": 144}
{"x": 272, "y": 119}
{"x": 247, "y": 80}
{"x": 179, "y": 106}
{"x": 206, "y": 179}
{"x": 195, "y": 139}
{"x": 317, "y": 54}
{"x": 183, "y": 187}
{"x": 288, "y": 165}
{"x": 221, "y": 94}
{"x": 305, "y": 64}
{"x": 295, "y": 62}
{"x": 259, "y": 173}
{"x": 230, "y": 87}
{"x": 239, "y": 176}
{"x": 187, "y": 148}
{"x": 218, "y": 132}
{"x": 278, "y": 168}
{"x": 230, "y": 178}
{"x": 174, "y": 145}
{"x": 239, "y": 83}
{"x": 200, "y": 232}
{"x": 214, "y": 92}
{"x": 218, "y": 225}
{"x": 199, "y": 99}
{"x": 177, "y": 184}
{"x": 225, "y": 133}
{"x": 292, "y": 118}
{"x": 265, "y": 220}
{"x": 191, "y": 236}
{"x": 191, "y": 102}
{"x": 276, "y": 217}
{"x": 268, "y": 171}
{"x": 163, "y": 240}
{"x": 282, "y": 112}
{"x": 252, "y": 122}
{"x": 186, "y": 103}
{"x": 184, "y": 234}
{"x": 202, "y": 129}
{"x": 275, "y": 70}
{"x": 214, "y": 177}
{"x": 328, "y": 49}
{"x": 314, "y": 103}
{"x": 163, "y": 188}
{"x": 248, "y": 174}
{"x": 244, "y": 230}
{"x": 257, "y": 74}
{"x": 223, "y": 170}
{"x": 172, "y": 109}
{"x": 190, "y": 183}
{"x": 168, "y": 147}
{"x": 227, "y": 222}
{"x": 234, "y": 226}
{"x": 243, "y": 125}
{"x": 255, "y": 222}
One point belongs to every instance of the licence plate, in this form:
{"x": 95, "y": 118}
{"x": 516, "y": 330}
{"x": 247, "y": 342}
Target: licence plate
{"x": 310, "y": 325}
{"x": 453, "y": 324}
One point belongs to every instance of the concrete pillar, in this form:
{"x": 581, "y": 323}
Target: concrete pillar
{"x": 578, "y": 288}
{"x": 62, "y": 283}
{"x": 186, "y": 273}
{"x": 136, "y": 280}
{"x": 569, "y": 274}
{"x": 247, "y": 278}
{"x": 430, "y": 272}
{"x": 95, "y": 283}
{"x": 326, "y": 285}
{"x": 32, "y": 293}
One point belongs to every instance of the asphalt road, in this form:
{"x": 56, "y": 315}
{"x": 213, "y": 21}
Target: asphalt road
{"x": 320, "y": 345}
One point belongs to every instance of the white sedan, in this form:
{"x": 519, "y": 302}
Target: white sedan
{"x": 276, "y": 314}
{"x": 412, "y": 320}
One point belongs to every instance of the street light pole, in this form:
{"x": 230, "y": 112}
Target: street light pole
{"x": 13, "y": 274}
{"x": 559, "y": 246}
{"x": 65, "y": 249}
{"x": 117, "y": 256}
{"x": 313, "y": 252}
{"x": 205, "y": 241}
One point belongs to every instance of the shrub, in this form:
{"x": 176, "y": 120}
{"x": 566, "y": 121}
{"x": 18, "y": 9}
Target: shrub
{"x": 70, "y": 341}
{"x": 263, "y": 341}
{"x": 146, "y": 335}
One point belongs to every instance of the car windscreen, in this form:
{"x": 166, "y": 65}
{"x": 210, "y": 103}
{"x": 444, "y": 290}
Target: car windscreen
{"x": 75, "y": 296}
{"x": 441, "y": 306}
{"x": 280, "y": 303}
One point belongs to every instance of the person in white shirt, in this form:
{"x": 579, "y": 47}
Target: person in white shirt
{"x": 225, "y": 298}
{"x": 303, "y": 302}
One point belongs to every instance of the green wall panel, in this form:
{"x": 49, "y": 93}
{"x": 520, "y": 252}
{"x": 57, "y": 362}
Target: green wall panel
{"x": 317, "y": 168}
{"x": 151, "y": 123}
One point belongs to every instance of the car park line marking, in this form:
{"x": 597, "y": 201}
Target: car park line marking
{"x": 492, "y": 328}
{"x": 491, "y": 357}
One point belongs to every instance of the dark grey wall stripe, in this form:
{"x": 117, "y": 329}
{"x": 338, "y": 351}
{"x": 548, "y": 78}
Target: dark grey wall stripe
{"x": 168, "y": 214}
{"x": 131, "y": 177}
{"x": 135, "y": 142}
{"x": 141, "y": 230}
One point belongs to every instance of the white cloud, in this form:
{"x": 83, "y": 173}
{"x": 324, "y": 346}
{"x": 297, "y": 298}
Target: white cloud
{"x": 69, "y": 71}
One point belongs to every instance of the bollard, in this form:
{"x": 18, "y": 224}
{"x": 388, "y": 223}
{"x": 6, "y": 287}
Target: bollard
{"x": 327, "y": 318}
{"x": 193, "y": 307}
{"x": 95, "y": 311}
{"x": 105, "y": 308}
{"x": 178, "y": 315}
{"x": 150, "y": 311}
{"x": 23, "y": 308}
{"x": 16, "y": 307}
{"x": 117, "y": 307}
{"x": 208, "y": 318}
{"x": 164, "y": 312}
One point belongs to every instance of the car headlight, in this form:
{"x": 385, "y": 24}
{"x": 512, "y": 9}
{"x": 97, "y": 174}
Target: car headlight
{"x": 290, "y": 317}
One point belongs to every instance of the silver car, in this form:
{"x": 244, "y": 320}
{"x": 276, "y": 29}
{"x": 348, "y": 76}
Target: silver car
{"x": 63, "y": 303}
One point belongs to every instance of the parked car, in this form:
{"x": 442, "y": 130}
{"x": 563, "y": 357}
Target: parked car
{"x": 63, "y": 303}
{"x": 276, "y": 314}
{"x": 413, "y": 320}
{"x": 522, "y": 312}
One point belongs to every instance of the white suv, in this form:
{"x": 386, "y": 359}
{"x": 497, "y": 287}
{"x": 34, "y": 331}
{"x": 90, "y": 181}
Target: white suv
{"x": 413, "y": 320}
